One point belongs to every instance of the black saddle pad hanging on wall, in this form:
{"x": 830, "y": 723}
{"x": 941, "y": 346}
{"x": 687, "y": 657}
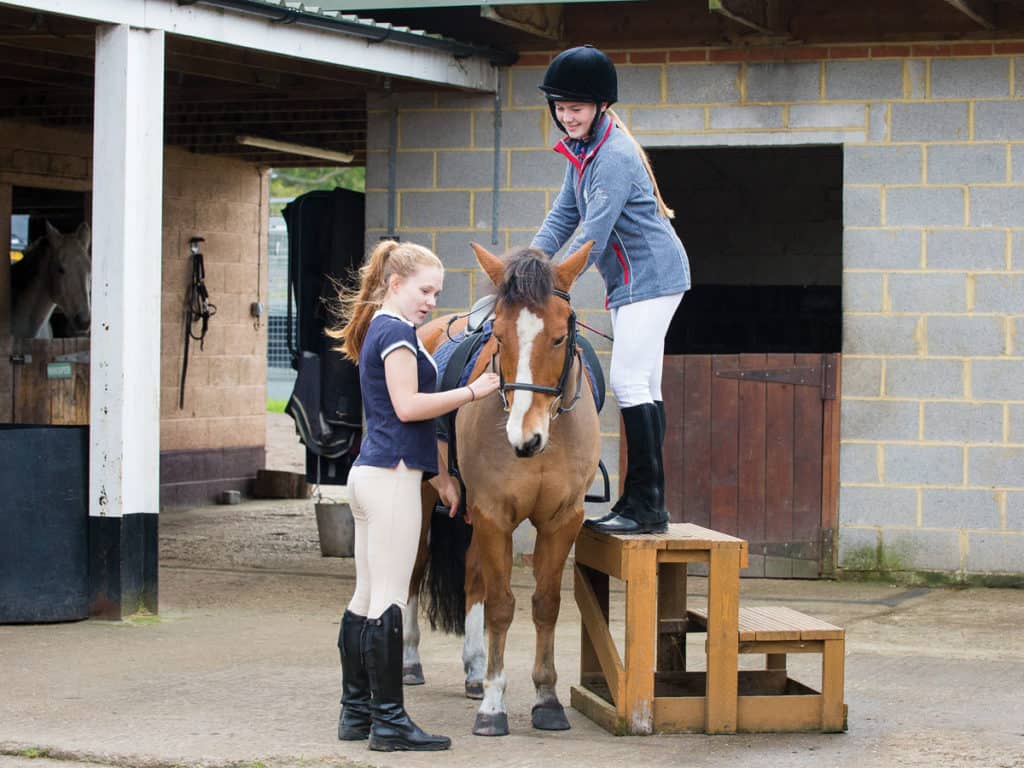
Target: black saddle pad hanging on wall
{"x": 325, "y": 251}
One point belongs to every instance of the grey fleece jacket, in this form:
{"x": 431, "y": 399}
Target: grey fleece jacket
{"x": 636, "y": 250}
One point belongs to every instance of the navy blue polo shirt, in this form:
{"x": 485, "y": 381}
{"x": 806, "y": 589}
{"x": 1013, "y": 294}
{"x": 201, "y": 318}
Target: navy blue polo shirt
{"x": 387, "y": 440}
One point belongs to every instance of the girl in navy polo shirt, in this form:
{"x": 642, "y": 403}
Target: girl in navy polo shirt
{"x": 609, "y": 192}
{"x": 398, "y": 289}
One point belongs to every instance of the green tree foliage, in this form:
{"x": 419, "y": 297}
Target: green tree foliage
{"x": 288, "y": 183}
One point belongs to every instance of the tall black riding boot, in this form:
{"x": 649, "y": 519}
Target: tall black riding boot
{"x": 354, "y": 720}
{"x": 645, "y": 512}
{"x": 619, "y": 506}
{"x": 392, "y": 728}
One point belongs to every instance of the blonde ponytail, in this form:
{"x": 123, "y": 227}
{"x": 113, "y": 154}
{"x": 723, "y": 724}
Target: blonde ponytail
{"x": 358, "y": 306}
{"x": 667, "y": 212}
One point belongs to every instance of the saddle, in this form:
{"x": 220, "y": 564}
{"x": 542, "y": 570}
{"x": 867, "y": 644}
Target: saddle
{"x": 455, "y": 362}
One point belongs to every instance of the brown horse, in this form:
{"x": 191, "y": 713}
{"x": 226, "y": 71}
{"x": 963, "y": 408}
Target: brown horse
{"x": 538, "y": 470}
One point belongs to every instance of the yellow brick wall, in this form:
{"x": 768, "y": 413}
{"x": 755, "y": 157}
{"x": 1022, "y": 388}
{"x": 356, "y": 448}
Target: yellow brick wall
{"x": 222, "y": 200}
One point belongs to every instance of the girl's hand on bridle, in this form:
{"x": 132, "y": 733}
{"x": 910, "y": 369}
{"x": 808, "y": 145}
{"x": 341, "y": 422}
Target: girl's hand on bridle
{"x": 484, "y": 385}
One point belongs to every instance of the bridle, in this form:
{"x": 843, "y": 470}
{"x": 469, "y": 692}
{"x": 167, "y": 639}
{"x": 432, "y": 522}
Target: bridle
{"x": 571, "y": 351}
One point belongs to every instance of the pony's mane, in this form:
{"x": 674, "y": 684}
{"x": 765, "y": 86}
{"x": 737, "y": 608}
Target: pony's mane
{"x": 24, "y": 272}
{"x": 528, "y": 280}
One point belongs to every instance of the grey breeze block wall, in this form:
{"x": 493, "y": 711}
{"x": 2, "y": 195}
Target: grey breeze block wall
{"x": 932, "y": 435}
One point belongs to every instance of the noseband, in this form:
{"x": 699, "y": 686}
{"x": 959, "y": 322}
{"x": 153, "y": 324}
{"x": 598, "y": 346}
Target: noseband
{"x": 559, "y": 390}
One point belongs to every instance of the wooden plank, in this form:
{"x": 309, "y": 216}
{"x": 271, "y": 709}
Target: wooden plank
{"x": 31, "y": 390}
{"x": 590, "y": 665}
{"x": 830, "y": 467}
{"x": 723, "y": 613}
{"x": 601, "y": 552}
{"x": 781, "y": 648}
{"x": 724, "y": 446}
{"x": 668, "y": 556}
{"x": 811, "y": 627}
{"x": 697, "y": 440}
{"x": 673, "y": 455}
{"x": 833, "y": 711}
{"x": 807, "y": 456}
{"x": 751, "y": 469}
{"x": 764, "y": 714}
{"x": 6, "y": 380}
{"x": 779, "y": 461}
{"x": 637, "y": 705}
{"x": 597, "y": 709}
{"x": 69, "y": 398}
{"x": 679, "y": 714}
{"x": 671, "y": 608}
{"x": 596, "y": 622}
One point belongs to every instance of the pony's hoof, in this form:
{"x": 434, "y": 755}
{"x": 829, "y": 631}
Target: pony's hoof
{"x": 550, "y": 718}
{"x": 491, "y": 725}
{"x": 474, "y": 689}
{"x": 412, "y": 674}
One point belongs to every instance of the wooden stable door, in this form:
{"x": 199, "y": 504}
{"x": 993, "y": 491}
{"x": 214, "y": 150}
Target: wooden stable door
{"x": 46, "y": 381}
{"x": 751, "y": 450}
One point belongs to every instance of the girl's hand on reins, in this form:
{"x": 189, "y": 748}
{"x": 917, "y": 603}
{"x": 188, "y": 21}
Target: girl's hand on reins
{"x": 484, "y": 385}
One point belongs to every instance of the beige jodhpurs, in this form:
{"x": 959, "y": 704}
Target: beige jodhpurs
{"x": 386, "y": 507}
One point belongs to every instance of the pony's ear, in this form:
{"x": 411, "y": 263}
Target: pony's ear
{"x": 566, "y": 273}
{"x": 83, "y": 234}
{"x": 53, "y": 233}
{"x": 491, "y": 264}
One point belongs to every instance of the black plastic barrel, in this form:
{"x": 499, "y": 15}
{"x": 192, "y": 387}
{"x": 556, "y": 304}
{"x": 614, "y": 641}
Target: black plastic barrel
{"x": 44, "y": 523}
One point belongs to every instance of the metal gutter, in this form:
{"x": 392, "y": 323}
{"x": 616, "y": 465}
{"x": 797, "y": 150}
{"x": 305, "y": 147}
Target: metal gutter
{"x": 285, "y": 12}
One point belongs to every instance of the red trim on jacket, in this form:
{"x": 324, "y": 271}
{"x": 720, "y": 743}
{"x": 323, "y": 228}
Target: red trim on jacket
{"x": 562, "y": 148}
{"x": 622, "y": 261}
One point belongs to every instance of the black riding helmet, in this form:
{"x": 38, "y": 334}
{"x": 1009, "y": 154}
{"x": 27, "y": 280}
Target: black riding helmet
{"x": 580, "y": 74}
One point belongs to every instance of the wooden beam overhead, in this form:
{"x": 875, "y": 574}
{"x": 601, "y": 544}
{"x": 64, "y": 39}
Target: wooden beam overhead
{"x": 758, "y": 15}
{"x": 981, "y": 12}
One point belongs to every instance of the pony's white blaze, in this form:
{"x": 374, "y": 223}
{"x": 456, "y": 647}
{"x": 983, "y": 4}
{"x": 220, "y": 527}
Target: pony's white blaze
{"x": 528, "y": 325}
{"x": 474, "y": 658}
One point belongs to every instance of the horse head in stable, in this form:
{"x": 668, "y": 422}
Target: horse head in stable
{"x": 535, "y": 330}
{"x": 56, "y": 272}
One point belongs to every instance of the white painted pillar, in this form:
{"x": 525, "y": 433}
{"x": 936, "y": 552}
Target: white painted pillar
{"x": 124, "y": 407}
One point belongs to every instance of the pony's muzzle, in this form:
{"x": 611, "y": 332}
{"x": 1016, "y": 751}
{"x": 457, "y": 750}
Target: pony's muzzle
{"x": 530, "y": 448}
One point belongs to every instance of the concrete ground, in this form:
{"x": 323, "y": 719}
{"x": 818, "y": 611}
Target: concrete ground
{"x": 241, "y": 669}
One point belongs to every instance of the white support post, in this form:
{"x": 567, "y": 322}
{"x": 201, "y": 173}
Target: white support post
{"x": 124, "y": 408}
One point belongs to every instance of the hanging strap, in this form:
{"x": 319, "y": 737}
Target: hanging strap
{"x": 198, "y": 309}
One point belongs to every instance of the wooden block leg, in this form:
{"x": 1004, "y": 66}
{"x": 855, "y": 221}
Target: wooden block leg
{"x": 723, "y": 640}
{"x": 833, "y": 713}
{"x": 637, "y": 706}
{"x": 775, "y": 661}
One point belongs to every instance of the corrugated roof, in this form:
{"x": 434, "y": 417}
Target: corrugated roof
{"x": 294, "y": 11}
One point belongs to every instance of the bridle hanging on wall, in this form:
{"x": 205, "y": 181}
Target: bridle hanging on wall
{"x": 198, "y": 309}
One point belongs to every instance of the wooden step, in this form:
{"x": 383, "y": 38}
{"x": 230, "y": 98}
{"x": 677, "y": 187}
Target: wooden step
{"x": 775, "y": 623}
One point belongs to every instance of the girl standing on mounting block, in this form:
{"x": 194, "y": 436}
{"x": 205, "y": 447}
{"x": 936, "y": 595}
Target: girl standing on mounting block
{"x": 398, "y": 288}
{"x": 610, "y": 193}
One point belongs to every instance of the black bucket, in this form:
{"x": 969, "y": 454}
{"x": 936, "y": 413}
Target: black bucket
{"x": 44, "y": 523}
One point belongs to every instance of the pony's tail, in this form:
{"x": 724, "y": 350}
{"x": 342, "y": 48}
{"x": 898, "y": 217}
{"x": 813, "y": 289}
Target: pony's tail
{"x": 443, "y": 588}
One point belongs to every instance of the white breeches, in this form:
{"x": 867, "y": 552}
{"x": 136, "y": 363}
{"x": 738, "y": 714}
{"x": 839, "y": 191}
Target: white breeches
{"x": 387, "y": 512}
{"x": 639, "y": 330}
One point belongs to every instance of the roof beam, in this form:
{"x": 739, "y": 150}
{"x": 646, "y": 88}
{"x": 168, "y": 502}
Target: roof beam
{"x": 758, "y": 15}
{"x": 265, "y": 32}
{"x": 405, "y": 5}
{"x": 981, "y": 12}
